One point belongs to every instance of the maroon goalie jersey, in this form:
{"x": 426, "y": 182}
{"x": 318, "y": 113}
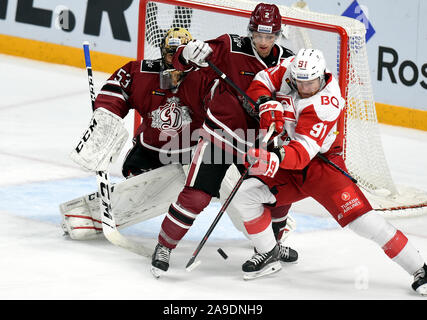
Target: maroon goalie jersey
{"x": 169, "y": 117}
{"x": 234, "y": 56}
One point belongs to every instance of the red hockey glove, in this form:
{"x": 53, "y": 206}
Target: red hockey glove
{"x": 264, "y": 162}
{"x": 271, "y": 112}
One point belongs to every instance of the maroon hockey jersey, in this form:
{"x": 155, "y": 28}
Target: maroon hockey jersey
{"x": 234, "y": 56}
{"x": 168, "y": 116}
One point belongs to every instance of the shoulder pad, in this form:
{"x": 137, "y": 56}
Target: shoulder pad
{"x": 287, "y": 52}
{"x": 241, "y": 44}
{"x": 151, "y": 65}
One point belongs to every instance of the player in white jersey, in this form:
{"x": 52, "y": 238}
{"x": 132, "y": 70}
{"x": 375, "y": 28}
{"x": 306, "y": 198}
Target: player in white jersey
{"x": 308, "y": 105}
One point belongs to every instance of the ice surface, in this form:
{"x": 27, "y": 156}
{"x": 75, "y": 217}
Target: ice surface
{"x": 43, "y": 110}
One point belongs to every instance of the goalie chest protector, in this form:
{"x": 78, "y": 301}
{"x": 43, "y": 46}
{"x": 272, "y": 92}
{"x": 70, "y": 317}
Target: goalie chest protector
{"x": 165, "y": 113}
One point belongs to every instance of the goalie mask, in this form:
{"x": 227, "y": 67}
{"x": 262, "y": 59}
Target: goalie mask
{"x": 169, "y": 77}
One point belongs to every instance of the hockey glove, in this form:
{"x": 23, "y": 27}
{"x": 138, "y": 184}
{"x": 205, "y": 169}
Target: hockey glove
{"x": 264, "y": 162}
{"x": 196, "y": 51}
{"x": 102, "y": 142}
{"x": 271, "y": 112}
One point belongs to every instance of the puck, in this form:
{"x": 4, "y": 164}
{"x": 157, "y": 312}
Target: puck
{"x": 222, "y": 253}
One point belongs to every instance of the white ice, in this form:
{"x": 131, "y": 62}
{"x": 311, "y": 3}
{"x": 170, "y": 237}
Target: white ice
{"x": 44, "y": 108}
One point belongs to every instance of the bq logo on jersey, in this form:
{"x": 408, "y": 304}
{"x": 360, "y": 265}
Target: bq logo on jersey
{"x": 171, "y": 117}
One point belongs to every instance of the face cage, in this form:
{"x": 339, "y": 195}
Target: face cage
{"x": 171, "y": 78}
{"x": 164, "y": 51}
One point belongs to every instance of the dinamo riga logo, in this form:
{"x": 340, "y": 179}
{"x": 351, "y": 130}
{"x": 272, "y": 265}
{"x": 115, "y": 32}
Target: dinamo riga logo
{"x": 171, "y": 117}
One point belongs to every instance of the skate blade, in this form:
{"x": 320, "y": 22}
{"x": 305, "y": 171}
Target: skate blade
{"x": 156, "y": 272}
{"x": 274, "y": 267}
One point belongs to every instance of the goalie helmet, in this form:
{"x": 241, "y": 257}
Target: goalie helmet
{"x": 265, "y": 18}
{"x": 172, "y": 40}
{"x": 169, "y": 77}
{"x": 308, "y": 64}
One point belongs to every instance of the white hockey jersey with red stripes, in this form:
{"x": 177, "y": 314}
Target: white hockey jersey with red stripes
{"x": 311, "y": 123}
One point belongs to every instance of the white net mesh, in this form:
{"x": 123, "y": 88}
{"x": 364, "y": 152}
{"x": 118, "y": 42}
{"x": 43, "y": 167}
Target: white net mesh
{"x": 363, "y": 152}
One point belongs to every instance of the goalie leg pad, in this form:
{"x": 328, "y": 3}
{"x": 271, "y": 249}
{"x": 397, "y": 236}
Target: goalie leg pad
{"x": 133, "y": 200}
{"x": 78, "y": 217}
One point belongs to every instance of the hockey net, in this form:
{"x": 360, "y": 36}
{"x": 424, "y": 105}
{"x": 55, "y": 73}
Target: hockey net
{"x": 342, "y": 41}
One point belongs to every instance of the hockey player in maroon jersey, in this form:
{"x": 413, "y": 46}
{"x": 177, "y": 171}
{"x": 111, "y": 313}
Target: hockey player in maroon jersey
{"x": 170, "y": 103}
{"x": 170, "y": 107}
{"x": 308, "y": 104}
{"x": 226, "y": 126}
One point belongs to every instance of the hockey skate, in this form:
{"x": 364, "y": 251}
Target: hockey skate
{"x": 420, "y": 281}
{"x": 160, "y": 260}
{"x": 262, "y": 264}
{"x": 287, "y": 254}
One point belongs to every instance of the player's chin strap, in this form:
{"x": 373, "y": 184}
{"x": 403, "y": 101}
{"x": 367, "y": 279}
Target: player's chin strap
{"x": 109, "y": 226}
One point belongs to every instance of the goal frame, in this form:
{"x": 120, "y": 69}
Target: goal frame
{"x": 359, "y": 110}
{"x": 342, "y": 33}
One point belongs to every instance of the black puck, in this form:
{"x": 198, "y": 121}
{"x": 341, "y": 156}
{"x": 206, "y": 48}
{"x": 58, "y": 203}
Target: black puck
{"x": 222, "y": 253}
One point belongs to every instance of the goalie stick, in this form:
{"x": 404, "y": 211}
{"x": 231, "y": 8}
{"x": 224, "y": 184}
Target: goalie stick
{"x": 109, "y": 227}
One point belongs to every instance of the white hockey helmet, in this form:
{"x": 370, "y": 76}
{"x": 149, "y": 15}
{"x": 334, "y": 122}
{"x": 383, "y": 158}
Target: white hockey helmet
{"x": 308, "y": 64}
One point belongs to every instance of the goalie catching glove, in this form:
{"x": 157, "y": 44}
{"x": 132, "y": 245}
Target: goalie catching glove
{"x": 196, "y": 51}
{"x": 264, "y": 162}
{"x": 102, "y": 142}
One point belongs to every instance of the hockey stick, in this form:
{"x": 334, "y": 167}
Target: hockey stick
{"x": 109, "y": 226}
{"x": 191, "y": 265}
{"x": 321, "y": 156}
{"x": 247, "y": 108}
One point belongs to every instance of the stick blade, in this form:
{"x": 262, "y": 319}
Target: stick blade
{"x": 193, "y": 265}
{"x": 116, "y": 238}
{"x": 190, "y": 262}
